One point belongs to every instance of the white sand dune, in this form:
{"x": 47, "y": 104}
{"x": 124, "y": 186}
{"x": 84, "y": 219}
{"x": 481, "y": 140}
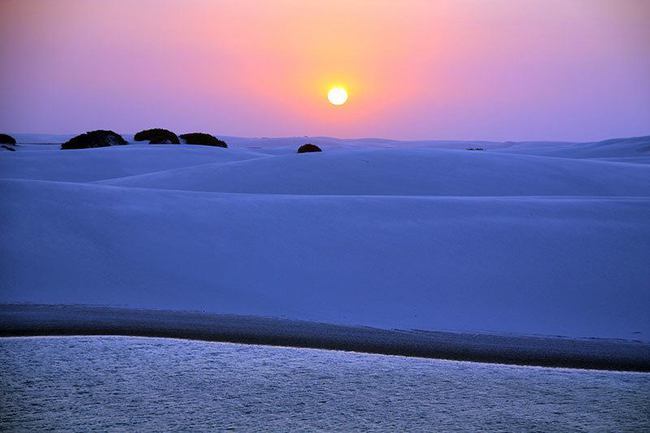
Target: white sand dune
{"x": 618, "y": 148}
{"x": 376, "y": 233}
{"x": 406, "y": 172}
{"x": 45, "y": 162}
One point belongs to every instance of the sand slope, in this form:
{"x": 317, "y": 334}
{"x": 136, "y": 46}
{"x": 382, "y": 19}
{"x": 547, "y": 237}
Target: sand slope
{"x": 406, "y": 172}
{"x": 381, "y": 235}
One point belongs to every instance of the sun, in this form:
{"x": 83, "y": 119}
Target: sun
{"x": 337, "y": 95}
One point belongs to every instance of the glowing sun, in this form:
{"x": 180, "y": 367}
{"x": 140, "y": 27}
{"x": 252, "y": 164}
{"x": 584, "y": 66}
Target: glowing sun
{"x": 337, "y": 95}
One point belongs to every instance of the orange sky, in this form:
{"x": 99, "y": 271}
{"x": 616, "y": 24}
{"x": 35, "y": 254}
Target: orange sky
{"x": 501, "y": 69}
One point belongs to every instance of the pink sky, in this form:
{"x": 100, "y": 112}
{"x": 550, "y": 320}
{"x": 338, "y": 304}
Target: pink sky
{"x": 452, "y": 69}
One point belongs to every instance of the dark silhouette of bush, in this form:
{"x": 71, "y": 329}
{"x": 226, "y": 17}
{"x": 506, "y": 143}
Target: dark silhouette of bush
{"x": 306, "y": 148}
{"x": 157, "y": 136}
{"x": 99, "y": 138}
{"x": 204, "y": 139}
{"x": 474, "y": 148}
{"x": 7, "y": 139}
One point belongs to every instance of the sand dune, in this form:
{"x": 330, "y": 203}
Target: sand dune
{"x": 406, "y": 172}
{"x": 45, "y": 162}
{"x": 386, "y": 236}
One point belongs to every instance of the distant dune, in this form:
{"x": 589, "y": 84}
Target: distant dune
{"x": 406, "y": 172}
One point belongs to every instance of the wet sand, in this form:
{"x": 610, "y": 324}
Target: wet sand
{"x": 59, "y": 320}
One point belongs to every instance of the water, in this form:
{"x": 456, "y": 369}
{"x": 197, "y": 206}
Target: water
{"x": 138, "y": 384}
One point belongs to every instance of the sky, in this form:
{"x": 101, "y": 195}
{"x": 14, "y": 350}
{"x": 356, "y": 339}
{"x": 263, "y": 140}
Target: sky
{"x": 574, "y": 70}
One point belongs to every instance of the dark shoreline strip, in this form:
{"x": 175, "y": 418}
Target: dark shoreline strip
{"x": 60, "y": 320}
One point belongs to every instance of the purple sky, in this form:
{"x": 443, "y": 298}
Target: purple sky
{"x": 452, "y": 69}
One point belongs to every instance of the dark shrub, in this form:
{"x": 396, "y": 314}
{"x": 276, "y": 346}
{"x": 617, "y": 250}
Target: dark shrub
{"x": 99, "y": 138}
{"x": 157, "y": 136}
{"x": 164, "y": 140}
{"x": 204, "y": 139}
{"x": 7, "y": 139}
{"x": 305, "y": 148}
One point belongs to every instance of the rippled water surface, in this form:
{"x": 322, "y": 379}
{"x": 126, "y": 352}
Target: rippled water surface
{"x": 136, "y": 384}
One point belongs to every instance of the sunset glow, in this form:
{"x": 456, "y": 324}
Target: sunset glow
{"x": 448, "y": 69}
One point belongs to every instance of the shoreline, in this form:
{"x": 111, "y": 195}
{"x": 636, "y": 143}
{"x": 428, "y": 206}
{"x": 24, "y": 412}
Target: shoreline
{"x": 31, "y": 320}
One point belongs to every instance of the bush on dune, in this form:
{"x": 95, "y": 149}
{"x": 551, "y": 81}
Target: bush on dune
{"x": 98, "y": 138}
{"x": 7, "y": 139}
{"x": 157, "y": 136}
{"x": 306, "y": 148}
{"x": 203, "y": 139}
